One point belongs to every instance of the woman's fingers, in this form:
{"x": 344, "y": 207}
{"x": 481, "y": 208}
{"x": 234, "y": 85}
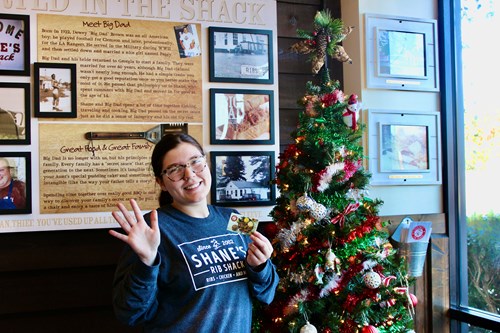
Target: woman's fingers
{"x": 137, "y": 210}
{"x": 123, "y": 223}
{"x": 262, "y": 244}
{"x": 154, "y": 221}
{"x": 259, "y": 250}
{"x": 257, "y": 253}
{"x": 118, "y": 235}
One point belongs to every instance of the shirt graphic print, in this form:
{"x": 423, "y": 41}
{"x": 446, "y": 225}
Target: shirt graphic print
{"x": 215, "y": 260}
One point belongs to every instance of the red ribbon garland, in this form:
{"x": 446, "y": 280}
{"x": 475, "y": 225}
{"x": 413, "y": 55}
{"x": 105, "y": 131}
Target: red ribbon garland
{"x": 341, "y": 217}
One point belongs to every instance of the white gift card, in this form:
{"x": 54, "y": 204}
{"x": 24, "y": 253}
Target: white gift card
{"x": 242, "y": 224}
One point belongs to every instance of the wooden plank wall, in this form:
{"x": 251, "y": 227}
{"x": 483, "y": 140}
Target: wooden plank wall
{"x": 58, "y": 281}
{"x": 295, "y": 69}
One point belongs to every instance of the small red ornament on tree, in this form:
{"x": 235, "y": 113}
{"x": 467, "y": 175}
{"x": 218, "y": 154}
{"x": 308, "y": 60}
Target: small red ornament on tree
{"x": 369, "y": 329}
{"x": 270, "y": 229}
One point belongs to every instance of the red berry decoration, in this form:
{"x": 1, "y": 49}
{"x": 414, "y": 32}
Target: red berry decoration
{"x": 369, "y": 329}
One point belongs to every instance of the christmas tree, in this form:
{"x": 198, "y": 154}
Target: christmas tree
{"x": 338, "y": 270}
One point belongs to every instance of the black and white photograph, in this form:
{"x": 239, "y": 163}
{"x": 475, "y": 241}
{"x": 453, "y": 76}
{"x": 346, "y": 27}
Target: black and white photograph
{"x": 241, "y": 116}
{"x": 15, "y": 114}
{"x": 55, "y": 90}
{"x": 241, "y": 55}
{"x": 243, "y": 179}
{"x": 15, "y": 183}
{"x": 15, "y": 44}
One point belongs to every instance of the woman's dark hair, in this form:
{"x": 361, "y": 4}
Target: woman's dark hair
{"x": 166, "y": 144}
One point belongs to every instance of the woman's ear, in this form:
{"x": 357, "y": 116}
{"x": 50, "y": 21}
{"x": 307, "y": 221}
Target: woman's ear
{"x": 159, "y": 181}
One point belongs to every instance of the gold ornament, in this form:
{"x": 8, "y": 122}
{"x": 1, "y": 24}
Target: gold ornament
{"x": 341, "y": 55}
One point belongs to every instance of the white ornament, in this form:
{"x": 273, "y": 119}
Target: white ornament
{"x": 308, "y": 328}
{"x": 372, "y": 280}
{"x": 305, "y": 203}
{"x": 330, "y": 259}
{"x": 318, "y": 211}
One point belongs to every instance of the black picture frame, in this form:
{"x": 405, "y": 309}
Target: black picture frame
{"x": 16, "y": 37}
{"x": 19, "y": 167}
{"x": 404, "y": 147}
{"x": 15, "y": 114}
{"x": 401, "y": 53}
{"x": 44, "y": 84}
{"x": 241, "y": 116}
{"x": 241, "y": 55}
{"x": 241, "y": 191}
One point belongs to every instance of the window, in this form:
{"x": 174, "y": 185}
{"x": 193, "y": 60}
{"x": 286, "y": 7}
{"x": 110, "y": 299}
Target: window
{"x": 473, "y": 130}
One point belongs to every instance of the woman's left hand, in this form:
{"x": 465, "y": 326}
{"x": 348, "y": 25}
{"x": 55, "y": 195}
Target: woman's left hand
{"x": 259, "y": 250}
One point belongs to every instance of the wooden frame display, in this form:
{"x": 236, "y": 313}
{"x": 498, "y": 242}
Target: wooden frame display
{"x": 243, "y": 179}
{"x": 55, "y": 90}
{"x": 15, "y": 111}
{"x": 241, "y": 116}
{"x": 15, "y": 181}
{"x": 241, "y": 55}
{"x": 404, "y": 147}
{"x": 15, "y": 44}
{"x": 401, "y": 53}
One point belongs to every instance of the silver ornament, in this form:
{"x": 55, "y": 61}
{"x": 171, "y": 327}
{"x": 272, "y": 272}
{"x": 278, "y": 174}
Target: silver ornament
{"x": 372, "y": 280}
{"x": 308, "y": 328}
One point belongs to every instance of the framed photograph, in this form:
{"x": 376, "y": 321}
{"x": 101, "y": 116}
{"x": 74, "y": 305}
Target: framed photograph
{"x": 55, "y": 90}
{"x": 15, "y": 183}
{"x": 15, "y": 42}
{"x": 404, "y": 147}
{"x": 241, "y": 55}
{"x": 401, "y": 53}
{"x": 241, "y": 116}
{"x": 15, "y": 113}
{"x": 188, "y": 42}
{"x": 243, "y": 179}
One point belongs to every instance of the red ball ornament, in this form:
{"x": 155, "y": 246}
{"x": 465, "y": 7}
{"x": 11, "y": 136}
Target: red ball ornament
{"x": 269, "y": 229}
{"x": 369, "y": 329}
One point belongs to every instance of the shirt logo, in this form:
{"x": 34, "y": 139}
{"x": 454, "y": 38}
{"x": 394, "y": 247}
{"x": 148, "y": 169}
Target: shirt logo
{"x": 215, "y": 260}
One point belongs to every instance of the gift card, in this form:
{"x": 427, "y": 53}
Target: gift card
{"x": 242, "y": 224}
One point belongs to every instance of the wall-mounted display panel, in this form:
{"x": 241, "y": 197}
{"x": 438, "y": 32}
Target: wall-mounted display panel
{"x": 401, "y": 53}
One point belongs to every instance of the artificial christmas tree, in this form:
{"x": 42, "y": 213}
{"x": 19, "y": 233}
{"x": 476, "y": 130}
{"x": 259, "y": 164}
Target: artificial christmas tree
{"x": 338, "y": 270}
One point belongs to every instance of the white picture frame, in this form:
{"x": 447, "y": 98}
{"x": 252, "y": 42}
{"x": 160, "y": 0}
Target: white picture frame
{"x": 401, "y": 53}
{"x": 404, "y": 147}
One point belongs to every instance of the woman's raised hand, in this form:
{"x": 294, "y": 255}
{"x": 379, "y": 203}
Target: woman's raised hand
{"x": 142, "y": 238}
{"x": 259, "y": 250}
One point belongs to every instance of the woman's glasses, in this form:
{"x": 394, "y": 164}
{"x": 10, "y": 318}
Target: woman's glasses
{"x": 177, "y": 172}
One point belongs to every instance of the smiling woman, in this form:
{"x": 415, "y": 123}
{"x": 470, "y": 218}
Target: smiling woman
{"x": 187, "y": 241}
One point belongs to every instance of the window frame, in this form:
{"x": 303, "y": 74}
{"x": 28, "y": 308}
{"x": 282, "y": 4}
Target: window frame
{"x": 452, "y": 123}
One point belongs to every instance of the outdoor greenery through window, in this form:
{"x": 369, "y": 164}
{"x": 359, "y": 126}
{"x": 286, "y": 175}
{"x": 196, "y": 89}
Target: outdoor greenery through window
{"x": 482, "y": 153}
